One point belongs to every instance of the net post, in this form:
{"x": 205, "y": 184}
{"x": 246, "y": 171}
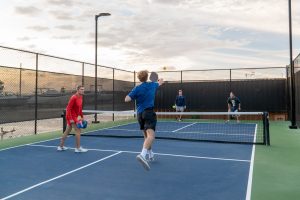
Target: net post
{"x": 63, "y": 115}
{"x": 266, "y": 128}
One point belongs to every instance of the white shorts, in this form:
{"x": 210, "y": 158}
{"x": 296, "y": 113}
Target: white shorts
{"x": 179, "y": 108}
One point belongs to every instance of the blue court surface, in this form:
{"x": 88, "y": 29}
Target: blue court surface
{"x": 109, "y": 170}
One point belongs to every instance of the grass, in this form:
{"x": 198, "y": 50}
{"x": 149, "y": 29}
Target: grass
{"x": 28, "y": 139}
{"x": 52, "y": 135}
{"x": 277, "y": 168}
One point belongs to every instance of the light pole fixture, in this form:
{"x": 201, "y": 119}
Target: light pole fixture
{"x": 96, "y": 64}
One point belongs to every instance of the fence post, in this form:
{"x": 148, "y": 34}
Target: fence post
{"x": 230, "y": 80}
{"x": 181, "y": 79}
{"x": 36, "y": 92}
{"x": 113, "y": 100}
{"x": 20, "y": 83}
{"x": 82, "y": 81}
{"x": 134, "y": 79}
{"x": 82, "y": 77}
{"x": 288, "y": 99}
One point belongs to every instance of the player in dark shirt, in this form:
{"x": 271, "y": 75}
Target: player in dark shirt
{"x": 234, "y": 105}
{"x": 180, "y": 103}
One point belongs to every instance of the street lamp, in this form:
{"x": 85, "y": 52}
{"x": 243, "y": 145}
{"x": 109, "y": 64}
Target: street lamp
{"x": 293, "y": 106}
{"x": 96, "y": 54}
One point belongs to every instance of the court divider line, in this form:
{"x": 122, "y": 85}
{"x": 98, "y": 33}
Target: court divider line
{"x": 161, "y": 154}
{"x": 250, "y": 177}
{"x": 184, "y": 127}
{"x": 60, "y": 176}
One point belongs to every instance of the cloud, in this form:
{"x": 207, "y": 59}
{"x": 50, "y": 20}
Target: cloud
{"x": 25, "y": 38}
{"x": 31, "y": 46}
{"x": 61, "y": 37}
{"x": 170, "y": 2}
{"x": 185, "y": 33}
{"x": 27, "y": 10}
{"x": 38, "y": 28}
{"x": 66, "y": 37}
{"x": 60, "y": 2}
{"x": 66, "y": 27}
{"x": 61, "y": 15}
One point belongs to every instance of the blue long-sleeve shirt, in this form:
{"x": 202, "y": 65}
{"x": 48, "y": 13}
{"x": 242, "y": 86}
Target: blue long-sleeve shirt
{"x": 180, "y": 100}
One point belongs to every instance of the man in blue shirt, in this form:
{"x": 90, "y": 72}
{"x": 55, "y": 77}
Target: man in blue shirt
{"x": 180, "y": 103}
{"x": 144, "y": 94}
{"x": 234, "y": 105}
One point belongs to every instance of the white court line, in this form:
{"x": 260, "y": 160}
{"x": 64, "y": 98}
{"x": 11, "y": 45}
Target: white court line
{"x": 249, "y": 186}
{"x": 60, "y": 176}
{"x": 22, "y": 145}
{"x": 162, "y": 154}
{"x": 184, "y": 127}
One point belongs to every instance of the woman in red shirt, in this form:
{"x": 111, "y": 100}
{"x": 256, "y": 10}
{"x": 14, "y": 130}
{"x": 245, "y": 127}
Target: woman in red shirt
{"x": 73, "y": 116}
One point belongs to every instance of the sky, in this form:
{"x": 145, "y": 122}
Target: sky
{"x": 152, "y": 34}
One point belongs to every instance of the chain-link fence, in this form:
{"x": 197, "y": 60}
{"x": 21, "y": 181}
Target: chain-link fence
{"x": 35, "y": 88}
{"x": 260, "y": 89}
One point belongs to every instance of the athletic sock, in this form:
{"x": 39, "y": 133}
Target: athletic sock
{"x": 151, "y": 154}
{"x": 144, "y": 152}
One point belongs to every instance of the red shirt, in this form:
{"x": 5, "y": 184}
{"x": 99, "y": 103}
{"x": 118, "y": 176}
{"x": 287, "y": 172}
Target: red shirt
{"x": 74, "y": 108}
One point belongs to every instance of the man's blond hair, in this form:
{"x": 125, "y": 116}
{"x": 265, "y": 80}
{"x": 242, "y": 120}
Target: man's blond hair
{"x": 143, "y": 75}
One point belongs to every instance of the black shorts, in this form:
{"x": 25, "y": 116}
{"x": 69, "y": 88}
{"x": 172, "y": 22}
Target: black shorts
{"x": 147, "y": 119}
{"x": 234, "y": 109}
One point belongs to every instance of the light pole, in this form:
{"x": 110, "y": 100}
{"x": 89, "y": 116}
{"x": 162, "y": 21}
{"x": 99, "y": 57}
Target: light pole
{"x": 96, "y": 64}
{"x": 293, "y": 104}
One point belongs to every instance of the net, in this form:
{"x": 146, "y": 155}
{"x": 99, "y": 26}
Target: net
{"x": 227, "y": 127}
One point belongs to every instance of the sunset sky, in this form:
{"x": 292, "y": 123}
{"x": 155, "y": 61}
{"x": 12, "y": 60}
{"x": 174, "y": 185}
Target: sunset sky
{"x": 179, "y": 34}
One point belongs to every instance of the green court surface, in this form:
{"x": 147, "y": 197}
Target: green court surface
{"x": 276, "y": 167}
{"x": 276, "y": 173}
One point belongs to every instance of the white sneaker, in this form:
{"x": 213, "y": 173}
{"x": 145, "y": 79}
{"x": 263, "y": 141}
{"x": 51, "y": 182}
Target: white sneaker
{"x": 151, "y": 159}
{"x": 143, "y": 161}
{"x": 80, "y": 150}
{"x": 63, "y": 148}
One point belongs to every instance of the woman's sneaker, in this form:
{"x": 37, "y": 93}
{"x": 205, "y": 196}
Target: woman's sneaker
{"x": 63, "y": 148}
{"x": 80, "y": 150}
